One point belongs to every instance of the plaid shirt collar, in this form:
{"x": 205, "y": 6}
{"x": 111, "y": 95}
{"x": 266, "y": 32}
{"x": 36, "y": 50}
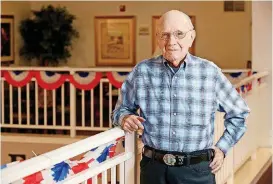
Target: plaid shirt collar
{"x": 188, "y": 60}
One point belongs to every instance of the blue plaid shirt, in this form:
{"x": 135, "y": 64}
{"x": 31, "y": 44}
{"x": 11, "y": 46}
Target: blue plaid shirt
{"x": 179, "y": 107}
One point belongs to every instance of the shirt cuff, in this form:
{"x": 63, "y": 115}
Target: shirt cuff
{"x": 223, "y": 145}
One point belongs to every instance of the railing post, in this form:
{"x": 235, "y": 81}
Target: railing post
{"x": 253, "y": 156}
{"x": 230, "y": 179}
{"x": 231, "y": 167}
{"x": 72, "y": 108}
{"x": 130, "y": 165}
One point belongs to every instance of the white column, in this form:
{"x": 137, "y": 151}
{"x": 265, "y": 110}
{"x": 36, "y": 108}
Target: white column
{"x": 262, "y": 61}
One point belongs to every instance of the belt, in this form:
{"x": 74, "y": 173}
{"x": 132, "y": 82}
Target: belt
{"x": 178, "y": 158}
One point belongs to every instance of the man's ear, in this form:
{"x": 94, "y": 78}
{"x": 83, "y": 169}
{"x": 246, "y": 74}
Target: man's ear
{"x": 193, "y": 35}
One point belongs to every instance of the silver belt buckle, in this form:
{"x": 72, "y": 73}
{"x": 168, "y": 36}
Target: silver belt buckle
{"x": 169, "y": 159}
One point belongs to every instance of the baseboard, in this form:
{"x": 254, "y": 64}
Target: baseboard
{"x": 259, "y": 175}
{"x": 252, "y": 170}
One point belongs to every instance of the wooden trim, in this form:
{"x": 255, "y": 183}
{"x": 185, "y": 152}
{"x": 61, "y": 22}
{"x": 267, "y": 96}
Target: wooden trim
{"x": 7, "y": 16}
{"x": 8, "y": 62}
{"x": 192, "y": 48}
{"x": 154, "y": 18}
{"x": 115, "y": 17}
{"x": 133, "y": 46}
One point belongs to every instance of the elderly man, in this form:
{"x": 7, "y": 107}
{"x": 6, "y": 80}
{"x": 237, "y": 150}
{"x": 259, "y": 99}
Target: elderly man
{"x": 178, "y": 94}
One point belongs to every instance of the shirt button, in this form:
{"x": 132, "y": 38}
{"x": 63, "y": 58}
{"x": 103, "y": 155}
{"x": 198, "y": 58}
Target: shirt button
{"x": 174, "y": 95}
{"x": 173, "y": 133}
{"x": 174, "y": 114}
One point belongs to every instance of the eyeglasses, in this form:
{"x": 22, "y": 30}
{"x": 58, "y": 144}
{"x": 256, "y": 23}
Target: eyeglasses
{"x": 177, "y": 34}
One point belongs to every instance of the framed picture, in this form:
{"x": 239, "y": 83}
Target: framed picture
{"x": 115, "y": 40}
{"x": 7, "y": 39}
{"x": 154, "y": 24}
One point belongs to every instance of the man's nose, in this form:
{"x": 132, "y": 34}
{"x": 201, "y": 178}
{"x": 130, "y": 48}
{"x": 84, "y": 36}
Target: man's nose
{"x": 172, "y": 40}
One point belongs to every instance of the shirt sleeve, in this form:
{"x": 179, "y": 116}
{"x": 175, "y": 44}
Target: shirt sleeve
{"x": 235, "y": 109}
{"x": 126, "y": 101}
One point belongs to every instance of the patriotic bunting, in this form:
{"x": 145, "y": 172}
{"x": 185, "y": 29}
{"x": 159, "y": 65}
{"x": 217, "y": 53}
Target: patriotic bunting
{"x": 117, "y": 78}
{"x": 259, "y": 81}
{"x": 88, "y": 80}
{"x": 18, "y": 78}
{"x": 68, "y": 168}
{"x": 35, "y": 178}
{"x": 236, "y": 77}
{"x": 85, "y": 80}
{"x": 50, "y": 80}
{"x": 2, "y": 72}
{"x": 248, "y": 87}
{"x": 243, "y": 88}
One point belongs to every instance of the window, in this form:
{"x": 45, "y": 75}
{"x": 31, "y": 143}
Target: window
{"x": 234, "y": 6}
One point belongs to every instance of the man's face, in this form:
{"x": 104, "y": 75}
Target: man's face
{"x": 174, "y": 39}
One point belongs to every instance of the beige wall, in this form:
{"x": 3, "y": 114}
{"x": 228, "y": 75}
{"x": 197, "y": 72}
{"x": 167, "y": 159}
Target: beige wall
{"x": 223, "y": 37}
{"x": 25, "y": 149}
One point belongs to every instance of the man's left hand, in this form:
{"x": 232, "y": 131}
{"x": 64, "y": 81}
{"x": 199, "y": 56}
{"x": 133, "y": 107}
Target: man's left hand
{"x": 218, "y": 160}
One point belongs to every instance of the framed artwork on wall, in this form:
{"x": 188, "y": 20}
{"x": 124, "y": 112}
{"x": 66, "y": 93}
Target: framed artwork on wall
{"x": 115, "y": 40}
{"x": 7, "y": 39}
{"x": 154, "y": 24}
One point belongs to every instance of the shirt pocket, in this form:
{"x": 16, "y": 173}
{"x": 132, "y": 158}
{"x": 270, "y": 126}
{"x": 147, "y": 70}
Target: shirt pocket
{"x": 198, "y": 119}
{"x": 199, "y": 109}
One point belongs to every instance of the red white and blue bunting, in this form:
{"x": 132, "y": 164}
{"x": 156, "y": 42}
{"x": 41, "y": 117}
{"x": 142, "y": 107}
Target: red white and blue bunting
{"x": 18, "y": 78}
{"x": 88, "y": 80}
{"x": 85, "y": 80}
{"x": 50, "y": 80}
{"x": 236, "y": 77}
{"x": 68, "y": 168}
{"x": 248, "y": 87}
{"x": 117, "y": 78}
{"x": 244, "y": 88}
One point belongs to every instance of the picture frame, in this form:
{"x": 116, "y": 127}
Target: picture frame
{"x": 7, "y": 39}
{"x": 155, "y": 20}
{"x": 115, "y": 40}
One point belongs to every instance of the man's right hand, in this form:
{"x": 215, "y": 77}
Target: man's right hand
{"x": 131, "y": 123}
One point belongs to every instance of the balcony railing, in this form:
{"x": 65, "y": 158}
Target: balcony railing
{"x": 80, "y": 102}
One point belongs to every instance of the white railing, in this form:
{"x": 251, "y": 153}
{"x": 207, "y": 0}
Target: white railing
{"x": 63, "y": 109}
{"x": 248, "y": 144}
{"x": 71, "y": 109}
{"x": 235, "y": 158}
{"x": 124, "y": 161}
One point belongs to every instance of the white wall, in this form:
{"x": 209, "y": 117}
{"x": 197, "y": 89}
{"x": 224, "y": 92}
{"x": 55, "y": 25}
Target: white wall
{"x": 223, "y": 37}
{"x": 262, "y": 60}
